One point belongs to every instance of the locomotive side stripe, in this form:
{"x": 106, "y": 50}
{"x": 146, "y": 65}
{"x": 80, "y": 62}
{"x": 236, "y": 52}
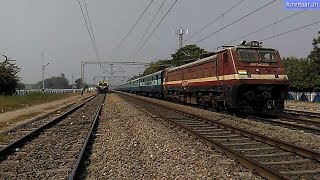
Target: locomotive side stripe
{"x": 231, "y": 77}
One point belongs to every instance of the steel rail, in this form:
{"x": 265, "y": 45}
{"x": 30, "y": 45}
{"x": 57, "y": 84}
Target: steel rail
{"x": 248, "y": 162}
{"x": 303, "y": 113}
{"x": 10, "y": 147}
{"x": 286, "y": 121}
{"x": 43, "y": 116}
{"x": 75, "y": 169}
{"x": 40, "y": 117}
{"x": 245, "y": 161}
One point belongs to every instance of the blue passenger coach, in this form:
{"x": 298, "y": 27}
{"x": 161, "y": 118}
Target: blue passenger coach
{"x": 149, "y": 85}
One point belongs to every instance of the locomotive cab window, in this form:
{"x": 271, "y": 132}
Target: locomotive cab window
{"x": 248, "y": 55}
{"x": 257, "y": 55}
{"x": 266, "y": 56}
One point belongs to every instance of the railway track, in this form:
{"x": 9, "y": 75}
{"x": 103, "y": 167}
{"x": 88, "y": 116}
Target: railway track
{"x": 55, "y": 149}
{"x": 306, "y": 114}
{"x": 297, "y": 120}
{"x": 270, "y": 158}
{"x": 293, "y": 119}
{"x": 13, "y": 134}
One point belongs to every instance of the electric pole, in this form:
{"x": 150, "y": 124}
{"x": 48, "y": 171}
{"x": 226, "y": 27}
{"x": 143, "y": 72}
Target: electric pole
{"x": 72, "y": 80}
{"x": 181, "y": 33}
{"x": 43, "y": 68}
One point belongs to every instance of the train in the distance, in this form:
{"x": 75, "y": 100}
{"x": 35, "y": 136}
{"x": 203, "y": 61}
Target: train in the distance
{"x": 242, "y": 78}
{"x": 103, "y": 87}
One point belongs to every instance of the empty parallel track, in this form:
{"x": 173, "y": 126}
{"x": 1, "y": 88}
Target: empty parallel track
{"x": 306, "y": 114}
{"x": 13, "y": 134}
{"x": 298, "y": 120}
{"x": 270, "y": 158}
{"x": 55, "y": 149}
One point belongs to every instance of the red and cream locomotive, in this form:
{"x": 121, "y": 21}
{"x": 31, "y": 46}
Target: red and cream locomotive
{"x": 246, "y": 78}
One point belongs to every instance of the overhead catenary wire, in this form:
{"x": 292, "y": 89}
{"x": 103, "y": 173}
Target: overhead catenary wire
{"x": 265, "y": 27}
{"x": 144, "y": 43}
{"x": 243, "y": 17}
{"x": 149, "y": 26}
{"x": 211, "y": 22}
{"x": 128, "y": 33}
{"x": 283, "y": 33}
{"x": 88, "y": 29}
{"x": 92, "y": 32}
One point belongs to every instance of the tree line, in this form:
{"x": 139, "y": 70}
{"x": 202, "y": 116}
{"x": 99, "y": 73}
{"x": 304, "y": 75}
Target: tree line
{"x": 9, "y": 79}
{"x": 60, "y": 82}
{"x": 304, "y": 73}
{"x": 10, "y": 82}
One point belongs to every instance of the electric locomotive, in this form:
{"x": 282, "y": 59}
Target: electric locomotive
{"x": 103, "y": 87}
{"x": 244, "y": 78}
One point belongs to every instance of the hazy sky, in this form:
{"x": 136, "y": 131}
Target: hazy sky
{"x": 56, "y": 27}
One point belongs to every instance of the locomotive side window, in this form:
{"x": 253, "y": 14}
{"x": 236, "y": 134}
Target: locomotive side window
{"x": 253, "y": 55}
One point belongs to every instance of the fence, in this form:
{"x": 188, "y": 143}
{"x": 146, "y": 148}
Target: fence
{"x": 51, "y": 91}
{"x": 304, "y": 96}
{"x": 295, "y": 96}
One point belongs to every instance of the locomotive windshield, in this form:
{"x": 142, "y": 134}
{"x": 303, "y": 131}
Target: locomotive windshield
{"x": 257, "y": 55}
{"x": 248, "y": 55}
{"x": 266, "y": 55}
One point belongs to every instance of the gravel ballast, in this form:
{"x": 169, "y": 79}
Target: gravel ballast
{"x": 132, "y": 144}
{"x": 53, "y": 153}
{"x": 303, "y": 106}
{"x": 297, "y": 137}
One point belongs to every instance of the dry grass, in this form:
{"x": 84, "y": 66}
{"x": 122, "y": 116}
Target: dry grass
{"x": 3, "y": 125}
{"x": 10, "y": 103}
{"x": 3, "y": 138}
